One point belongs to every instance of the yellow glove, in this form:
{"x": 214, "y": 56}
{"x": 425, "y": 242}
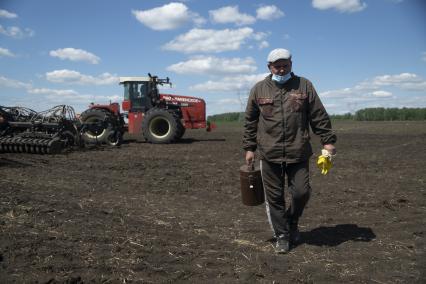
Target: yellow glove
{"x": 324, "y": 162}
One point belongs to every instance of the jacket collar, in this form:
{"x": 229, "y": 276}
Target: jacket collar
{"x": 271, "y": 83}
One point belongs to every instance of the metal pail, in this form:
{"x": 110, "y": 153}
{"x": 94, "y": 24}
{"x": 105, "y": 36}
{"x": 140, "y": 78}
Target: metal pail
{"x": 251, "y": 185}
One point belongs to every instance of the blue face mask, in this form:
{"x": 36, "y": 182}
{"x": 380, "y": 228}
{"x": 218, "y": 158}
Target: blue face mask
{"x": 281, "y": 79}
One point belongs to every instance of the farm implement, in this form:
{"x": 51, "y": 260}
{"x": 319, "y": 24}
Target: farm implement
{"x": 160, "y": 118}
{"x": 24, "y": 130}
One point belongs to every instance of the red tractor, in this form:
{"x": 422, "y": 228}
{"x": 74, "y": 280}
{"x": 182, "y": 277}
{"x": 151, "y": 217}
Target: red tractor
{"x": 161, "y": 118}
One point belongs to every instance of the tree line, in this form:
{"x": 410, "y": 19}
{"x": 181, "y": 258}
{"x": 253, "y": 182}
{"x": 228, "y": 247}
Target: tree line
{"x": 385, "y": 114}
{"x": 366, "y": 114}
{"x": 227, "y": 117}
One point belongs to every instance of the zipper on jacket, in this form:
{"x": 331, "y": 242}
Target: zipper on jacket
{"x": 283, "y": 121}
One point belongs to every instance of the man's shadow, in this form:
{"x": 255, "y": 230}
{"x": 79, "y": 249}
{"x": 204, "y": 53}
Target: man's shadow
{"x": 334, "y": 236}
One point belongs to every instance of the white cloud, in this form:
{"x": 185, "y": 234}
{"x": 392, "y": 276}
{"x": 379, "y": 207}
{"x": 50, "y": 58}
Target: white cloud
{"x": 404, "y": 81}
{"x": 168, "y": 17}
{"x": 231, "y": 14}
{"x": 230, "y": 84}
{"x": 373, "y": 93}
{"x": 16, "y": 32}
{"x": 341, "y": 93}
{"x": 259, "y": 36}
{"x": 6, "y": 52}
{"x": 386, "y": 80}
{"x": 45, "y": 98}
{"x": 74, "y": 54}
{"x": 342, "y": 106}
{"x": 213, "y": 41}
{"x": 381, "y": 94}
{"x": 372, "y": 87}
{"x": 263, "y": 44}
{"x": 73, "y": 98}
{"x": 11, "y": 83}
{"x": 211, "y": 65}
{"x": 269, "y": 12}
{"x": 56, "y": 92}
{"x": 7, "y": 14}
{"x": 74, "y": 77}
{"x": 70, "y": 96}
{"x": 344, "y": 6}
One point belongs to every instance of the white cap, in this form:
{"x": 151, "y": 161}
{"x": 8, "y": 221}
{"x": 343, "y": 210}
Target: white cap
{"x": 277, "y": 54}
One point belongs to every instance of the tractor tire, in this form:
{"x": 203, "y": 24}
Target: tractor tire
{"x": 115, "y": 138}
{"x": 181, "y": 131}
{"x": 160, "y": 126}
{"x": 98, "y": 126}
{"x": 70, "y": 135}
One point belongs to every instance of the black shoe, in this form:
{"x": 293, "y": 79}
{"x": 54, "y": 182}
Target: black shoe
{"x": 282, "y": 245}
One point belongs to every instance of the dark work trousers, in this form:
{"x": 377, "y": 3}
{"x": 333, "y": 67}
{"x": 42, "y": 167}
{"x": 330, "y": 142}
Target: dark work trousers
{"x": 273, "y": 176}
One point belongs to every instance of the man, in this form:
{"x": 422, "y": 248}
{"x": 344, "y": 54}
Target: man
{"x": 279, "y": 111}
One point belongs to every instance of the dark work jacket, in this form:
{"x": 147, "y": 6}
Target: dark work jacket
{"x": 277, "y": 120}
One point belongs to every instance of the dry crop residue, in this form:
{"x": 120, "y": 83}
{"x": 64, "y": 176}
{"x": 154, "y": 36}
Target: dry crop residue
{"x": 157, "y": 213}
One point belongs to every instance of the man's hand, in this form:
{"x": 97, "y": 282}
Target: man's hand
{"x": 330, "y": 148}
{"x": 249, "y": 157}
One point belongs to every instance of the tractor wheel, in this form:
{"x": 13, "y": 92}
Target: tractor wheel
{"x": 115, "y": 138}
{"x": 181, "y": 131}
{"x": 159, "y": 126}
{"x": 70, "y": 136}
{"x": 97, "y": 126}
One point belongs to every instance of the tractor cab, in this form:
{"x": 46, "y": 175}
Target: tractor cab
{"x": 141, "y": 93}
{"x": 137, "y": 97}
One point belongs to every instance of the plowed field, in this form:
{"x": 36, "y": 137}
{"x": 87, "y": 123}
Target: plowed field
{"x": 144, "y": 213}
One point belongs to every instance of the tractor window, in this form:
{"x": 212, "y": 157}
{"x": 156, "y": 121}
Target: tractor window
{"x": 134, "y": 94}
{"x": 143, "y": 90}
{"x": 137, "y": 93}
{"x": 131, "y": 91}
{"x": 126, "y": 91}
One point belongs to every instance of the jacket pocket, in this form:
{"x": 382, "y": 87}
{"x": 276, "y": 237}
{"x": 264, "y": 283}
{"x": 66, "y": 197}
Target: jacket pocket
{"x": 297, "y": 101}
{"x": 266, "y": 106}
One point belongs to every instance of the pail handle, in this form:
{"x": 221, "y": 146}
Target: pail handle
{"x": 252, "y": 180}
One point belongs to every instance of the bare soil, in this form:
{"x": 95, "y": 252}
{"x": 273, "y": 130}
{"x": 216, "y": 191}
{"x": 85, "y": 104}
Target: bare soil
{"x": 145, "y": 213}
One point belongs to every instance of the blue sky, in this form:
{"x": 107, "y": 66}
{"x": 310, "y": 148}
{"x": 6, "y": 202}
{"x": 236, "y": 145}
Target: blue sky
{"x": 357, "y": 53}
